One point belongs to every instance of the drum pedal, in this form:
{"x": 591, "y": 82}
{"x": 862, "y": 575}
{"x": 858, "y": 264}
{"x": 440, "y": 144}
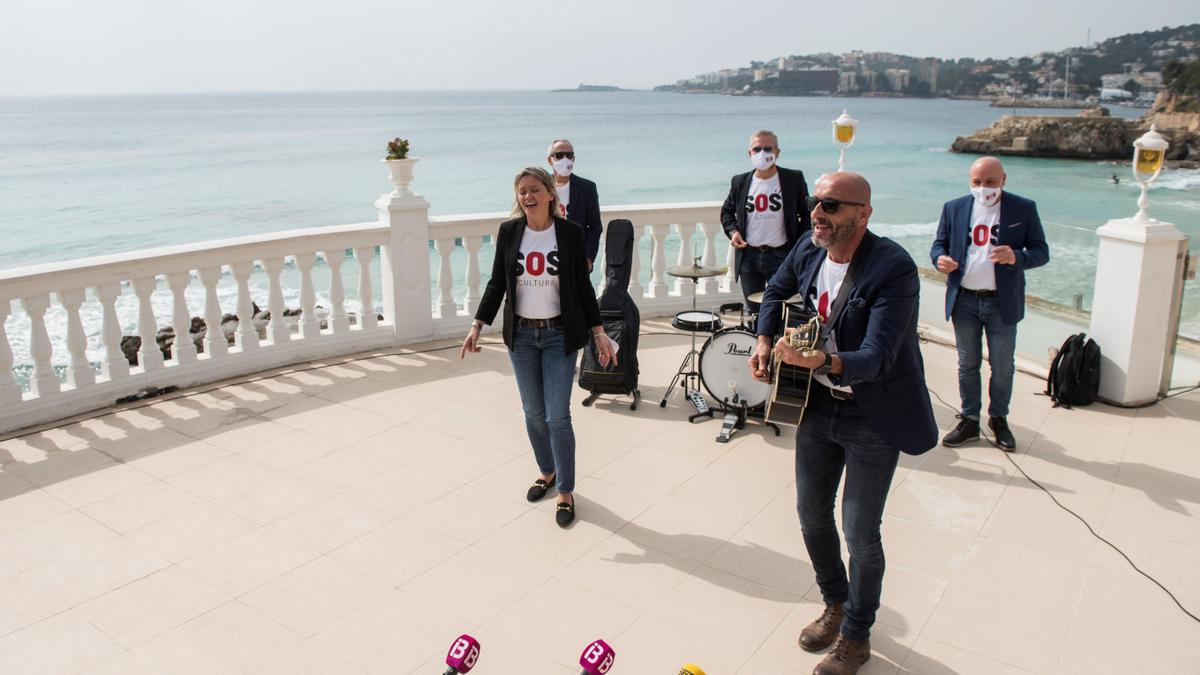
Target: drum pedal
{"x": 731, "y": 423}
{"x": 697, "y": 400}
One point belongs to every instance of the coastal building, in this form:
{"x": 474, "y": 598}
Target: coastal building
{"x": 847, "y": 81}
{"x": 898, "y": 78}
{"x": 808, "y": 81}
{"x": 928, "y": 72}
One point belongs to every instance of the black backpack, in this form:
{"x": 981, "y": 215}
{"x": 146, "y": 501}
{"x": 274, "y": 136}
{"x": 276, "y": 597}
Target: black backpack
{"x": 621, "y": 319}
{"x": 1074, "y": 377}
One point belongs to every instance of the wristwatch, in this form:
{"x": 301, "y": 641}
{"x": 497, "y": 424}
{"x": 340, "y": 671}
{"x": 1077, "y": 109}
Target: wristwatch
{"x": 826, "y": 366}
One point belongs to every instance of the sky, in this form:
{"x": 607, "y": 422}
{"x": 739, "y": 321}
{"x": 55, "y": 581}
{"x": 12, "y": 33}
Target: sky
{"x": 71, "y": 47}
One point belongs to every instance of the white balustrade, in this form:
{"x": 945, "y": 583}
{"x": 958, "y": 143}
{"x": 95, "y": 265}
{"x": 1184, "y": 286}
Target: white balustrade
{"x": 658, "y": 260}
{"x": 183, "y": 350}
{"x": 363, "y": 255}
{"x": 246, "y": 337}
{"x": 310, "y": 326}
{"x": 471, "y": 302}
{"x": 10, "y": 391}
{"x": 114, "y": 366}
{"x": 685, "y": 287}
{"x": 710, "y": 285}
{"x": 277, "y": 329}
{"x": 149, "y": 355}
{"x": 215, "y": 344}
{"x": 79, "y": 372}
{"x": 445, "y": 279}
{"x": 338, "y": 321}
{"x": 636, "y": 290}
{"x": 731, "y": 283}
{"x": 44, "y": 380}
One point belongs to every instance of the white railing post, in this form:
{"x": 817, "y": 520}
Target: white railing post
{"x": 44, "y": 380}
{"x": 246, "y": 338}
{"x": 404, "y": 267}
{"x": 338, "y": 321}
{"x": 115, "y": 365}
{"x": 363, "y": 255}
{"x": 471, "y": 302}
{"x": 636, "y": 290}
{"x": 183, "y": 350}
{"x": 445, "y": 279}
{"x": 711, "y": 284}
{"x": 277, "y": 328}
{"x": 149, "y": 355}
{"x": 684, "y": 287}
{"x": 658, "y": 260}
{"x": 79, "y": 372}
{"x": 10, "y": 391}
{"x": 731, "y": 283}
{"x": 215, "y": 344}
{"x": 310, "y": 327}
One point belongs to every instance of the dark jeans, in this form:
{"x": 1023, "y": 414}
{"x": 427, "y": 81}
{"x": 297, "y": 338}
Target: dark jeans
{"x": 544, "y": 376}
{"x": 973, "y": 316}
{"x": 835, "y": 435}
{"x": 755, "y": 269}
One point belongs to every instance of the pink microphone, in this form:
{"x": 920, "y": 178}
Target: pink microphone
{"x": 597, "y": 659}
{"x": 462, "y": 655}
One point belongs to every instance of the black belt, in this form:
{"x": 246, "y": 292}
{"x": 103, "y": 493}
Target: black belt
{"x": 978, "y": 293}
{"x": 552, "y": 322}
{"x": 768, "y": 249}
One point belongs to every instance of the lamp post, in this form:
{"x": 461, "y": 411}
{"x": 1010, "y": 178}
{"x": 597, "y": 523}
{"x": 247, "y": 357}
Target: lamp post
{"x": 1148, "y": 154}
{"x": 844, "y": 128}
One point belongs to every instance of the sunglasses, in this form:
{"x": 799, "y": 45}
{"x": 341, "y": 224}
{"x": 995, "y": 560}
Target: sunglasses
{"x": 561, "y": 155}
{"x": 828, "y": 204}
{"x": 762, "y": 148}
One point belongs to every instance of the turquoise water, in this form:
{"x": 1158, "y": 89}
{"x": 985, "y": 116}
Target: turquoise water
{"x": 86, "y": 176}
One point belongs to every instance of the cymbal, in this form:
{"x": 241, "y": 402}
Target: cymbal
{"x": 758, "y": 297}
{"x": 694, "y": 271}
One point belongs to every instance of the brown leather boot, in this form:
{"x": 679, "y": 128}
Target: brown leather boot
{"x": 846, "y": 657}
{"x": 823, "y": 631}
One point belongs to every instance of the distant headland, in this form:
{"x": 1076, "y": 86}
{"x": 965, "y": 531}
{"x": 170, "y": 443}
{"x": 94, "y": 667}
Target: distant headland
{"x": 591, "y": 88}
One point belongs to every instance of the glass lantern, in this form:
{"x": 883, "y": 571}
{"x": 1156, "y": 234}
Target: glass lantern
{"x": 844, "y": 128}
{"x": 1149, "y": 151}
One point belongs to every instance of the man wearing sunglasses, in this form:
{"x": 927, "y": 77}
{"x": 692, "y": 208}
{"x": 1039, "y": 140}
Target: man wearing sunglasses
{"x": 764, "y": 215}
{"x": 577, "y": 197}
{"x": 985, "y": 242}
{"x": 868, "y": 403}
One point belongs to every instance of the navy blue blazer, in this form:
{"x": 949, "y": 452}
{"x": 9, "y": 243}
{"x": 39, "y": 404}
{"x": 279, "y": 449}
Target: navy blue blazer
{"x": 876, "y": 335}
{"x": 584, "y": 210}
{"x": 796, "y": 217}
{"x": 1020, "y": 228}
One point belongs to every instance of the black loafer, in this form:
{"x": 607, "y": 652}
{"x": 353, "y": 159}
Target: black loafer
{"x": 539, "y": 489}
{"x": 564, "y": 514}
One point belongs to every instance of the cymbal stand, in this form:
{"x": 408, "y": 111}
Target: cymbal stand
{"x": 688, "y": 374}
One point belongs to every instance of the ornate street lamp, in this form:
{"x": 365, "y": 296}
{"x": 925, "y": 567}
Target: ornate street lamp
{"x": 1149, "y": 151}
{"x": 843, "y": 136}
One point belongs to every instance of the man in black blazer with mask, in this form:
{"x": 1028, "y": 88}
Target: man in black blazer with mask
{"x": 576, "y": 195}
{"x": 764, "y": 215}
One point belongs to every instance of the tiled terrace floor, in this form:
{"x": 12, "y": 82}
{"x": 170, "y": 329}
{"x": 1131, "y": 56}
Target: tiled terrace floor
{"x": 357, "y": 517}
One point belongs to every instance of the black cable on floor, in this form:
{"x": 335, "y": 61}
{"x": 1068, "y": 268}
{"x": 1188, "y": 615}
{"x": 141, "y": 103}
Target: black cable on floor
{"x": 1008, "y": 456}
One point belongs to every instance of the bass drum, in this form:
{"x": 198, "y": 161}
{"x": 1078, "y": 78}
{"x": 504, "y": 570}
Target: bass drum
{"x": 725, "y": 371}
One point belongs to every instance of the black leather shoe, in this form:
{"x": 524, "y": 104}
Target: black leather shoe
{"x": 539, "y": 489}
{"x": 564, "y": 514}
{"x": 967, "y": 430}
{"x": 1004, "y": 435}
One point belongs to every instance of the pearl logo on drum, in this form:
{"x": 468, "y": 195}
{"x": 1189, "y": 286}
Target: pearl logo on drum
{"x": 734, "y": 350}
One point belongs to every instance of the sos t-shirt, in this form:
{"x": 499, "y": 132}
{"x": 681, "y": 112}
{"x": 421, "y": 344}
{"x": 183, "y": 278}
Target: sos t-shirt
{"x": 537, "y": 275}
{"x": 764, "y": 212}
{"x": 979, "y": 273}
{"x": 564, "y": 197}
{"x": 829, "y": 282}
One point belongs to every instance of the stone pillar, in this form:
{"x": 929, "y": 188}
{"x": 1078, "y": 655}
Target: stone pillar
{"x": 404, "y": 266}
{"x": 1139, "y": 265}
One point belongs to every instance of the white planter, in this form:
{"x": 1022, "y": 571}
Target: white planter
{"x": 401, "y": 175}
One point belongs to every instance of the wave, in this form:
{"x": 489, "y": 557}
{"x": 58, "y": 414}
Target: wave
{"x": 1178, "y": 179}
{"x": 906, "y": 229}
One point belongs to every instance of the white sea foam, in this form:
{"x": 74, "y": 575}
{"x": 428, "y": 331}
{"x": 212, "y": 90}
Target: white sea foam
{"x": 895, "y": 230}
{"x": 1178, "y": 179}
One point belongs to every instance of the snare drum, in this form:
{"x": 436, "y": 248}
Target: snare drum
{"x": 697, "y": 321}
{"x": 725, "y": 368}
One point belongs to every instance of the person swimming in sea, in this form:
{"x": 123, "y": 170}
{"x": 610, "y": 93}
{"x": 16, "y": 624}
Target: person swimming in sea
{"x": 1114, "y": 180}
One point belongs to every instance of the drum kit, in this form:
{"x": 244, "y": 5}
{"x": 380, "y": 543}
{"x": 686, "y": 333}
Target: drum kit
{"x": 721, "y": 365}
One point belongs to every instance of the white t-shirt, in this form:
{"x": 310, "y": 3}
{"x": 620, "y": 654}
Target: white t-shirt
{"x": 564, "y": 198}
{"x": 764, "y": 212}
{"x": 829, "y": 282}
{"x": 537, "y": 283}
{"x": 979, "y": 273}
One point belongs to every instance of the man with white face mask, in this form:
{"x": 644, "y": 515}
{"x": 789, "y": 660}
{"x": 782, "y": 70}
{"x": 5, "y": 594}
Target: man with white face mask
{"x": 577, "y": 197}
{"x": 985, "y": 242}
{"x": 764, "y": 216}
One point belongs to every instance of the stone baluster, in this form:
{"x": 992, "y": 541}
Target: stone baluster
{"x": 658, "y": 261}
{"x": 149, "y": 355}
{"x": 445, "y": 279}
{"x": 684, "y": 287}
{"x": 711, "y": 232}
{"x": 183, "y": 350}
{"x": 636, "y": 291}
{"x": 310, "y": 326}
{"x": 277, "y": 329}
{"x": 115, "y": 365}
{"x": 338, "y": 320}
{"x": 363, "y": 255}
{"x": 44, "y": 380}
{"x": 79, "y": 372}
{"x": 731, "y": 283}
{"x": 246, "y": 337}
{"x": 215, "y": 344}
{"x": 471, "y": 302}
{"x": 10, "y": 391}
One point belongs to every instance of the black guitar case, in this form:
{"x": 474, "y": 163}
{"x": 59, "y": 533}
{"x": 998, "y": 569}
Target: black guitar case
{"x": 622, "y": 322}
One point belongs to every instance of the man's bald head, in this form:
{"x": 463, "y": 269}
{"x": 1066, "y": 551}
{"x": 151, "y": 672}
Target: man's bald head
{"x": 987, "y": 172}
{"x": 844, "y": 186}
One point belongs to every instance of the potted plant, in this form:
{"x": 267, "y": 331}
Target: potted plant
{"x": 400, "y": 166}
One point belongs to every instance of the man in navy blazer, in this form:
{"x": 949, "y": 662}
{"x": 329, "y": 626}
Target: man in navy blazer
{"x": 985, "y": 242}
{"x": 577, "y": 196}
{"x": 868, "y": 403}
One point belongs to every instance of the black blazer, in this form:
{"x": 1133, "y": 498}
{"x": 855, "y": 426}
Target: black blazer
{"x": 796, "y": 218}
{"x": 584, "y": 209}
{"x": 579, "y": 308}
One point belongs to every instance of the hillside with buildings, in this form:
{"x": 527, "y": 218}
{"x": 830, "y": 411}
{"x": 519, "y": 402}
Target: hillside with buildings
{"x": 1127, "y": 67}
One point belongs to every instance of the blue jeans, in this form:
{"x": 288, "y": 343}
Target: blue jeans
{"x": 755, "y": 269}
{"x": 836, "y": 435}
{"x": 973, "y": 316}
{"x": 544, "y": 375}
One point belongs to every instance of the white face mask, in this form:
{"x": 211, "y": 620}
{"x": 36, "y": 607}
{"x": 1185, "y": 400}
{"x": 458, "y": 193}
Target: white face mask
{"x": 563, "y": 166}
{"x": 986, "y": 196}
{"x": 762, "y": 160}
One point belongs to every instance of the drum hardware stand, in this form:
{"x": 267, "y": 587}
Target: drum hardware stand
{"x": 688, "y": 375}
{"x": 736, "y": 413}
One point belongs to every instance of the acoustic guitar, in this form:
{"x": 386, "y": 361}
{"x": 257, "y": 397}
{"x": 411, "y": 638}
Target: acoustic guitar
{"x": 791, "y": 385}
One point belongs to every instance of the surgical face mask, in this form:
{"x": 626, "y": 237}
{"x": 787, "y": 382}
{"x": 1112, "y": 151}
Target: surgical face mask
{"x": 762, "y": 160}
{"x": 563, "y": 166}
{"x": 986, "y": 196}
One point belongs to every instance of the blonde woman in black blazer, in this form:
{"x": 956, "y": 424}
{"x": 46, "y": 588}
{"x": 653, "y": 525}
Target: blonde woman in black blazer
{"x": 540, "y": 271}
